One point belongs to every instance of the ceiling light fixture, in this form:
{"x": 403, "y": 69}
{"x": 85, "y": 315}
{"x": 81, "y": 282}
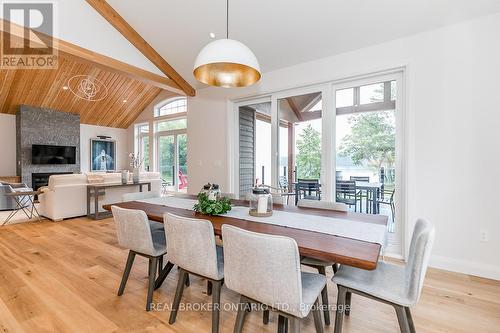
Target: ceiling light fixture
{"x": 65, "y": 88}
{"x": 227, "y": 63}
{"x": 124, "y": 101}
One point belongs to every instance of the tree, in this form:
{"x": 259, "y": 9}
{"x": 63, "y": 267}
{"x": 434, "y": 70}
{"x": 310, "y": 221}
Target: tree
{"x": 309, "y": 153}
{"x": 372, "y": 139}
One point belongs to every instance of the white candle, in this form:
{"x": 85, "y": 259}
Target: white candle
{"x": 262, "y": 204}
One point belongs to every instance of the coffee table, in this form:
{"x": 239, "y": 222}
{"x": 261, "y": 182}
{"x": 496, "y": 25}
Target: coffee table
{"x": 24, "y": 202}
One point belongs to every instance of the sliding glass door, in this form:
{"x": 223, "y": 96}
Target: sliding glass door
{"x": 299, "y": 129}
{"x": 171, "y": 139}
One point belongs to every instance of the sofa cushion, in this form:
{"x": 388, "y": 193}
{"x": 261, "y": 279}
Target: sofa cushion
{"x": 70, "y": 179}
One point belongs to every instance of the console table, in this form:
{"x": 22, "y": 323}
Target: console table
{"x": 94, "y": 190}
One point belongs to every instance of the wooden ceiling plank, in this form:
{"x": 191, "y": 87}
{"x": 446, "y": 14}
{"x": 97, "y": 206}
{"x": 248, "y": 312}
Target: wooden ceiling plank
{"x": 294, "y": 108}
{"x": 112, "y": 16}
{"x": 77, "y": 53}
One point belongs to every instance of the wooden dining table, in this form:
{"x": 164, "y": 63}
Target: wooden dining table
{"x": 327, "y": 247}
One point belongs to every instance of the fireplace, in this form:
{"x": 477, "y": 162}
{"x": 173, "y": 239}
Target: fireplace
{"x": 42, "y": 179}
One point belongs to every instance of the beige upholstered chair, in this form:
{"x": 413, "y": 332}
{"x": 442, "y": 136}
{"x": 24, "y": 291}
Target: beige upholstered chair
{"x": 321, "y": 265}
{"x": 139, "y": 196}
{"x": 266, "y": 269}
{"x": 191, "y": 246}
{"x": 135, "y": 233}
{"x": 399, "y": 286}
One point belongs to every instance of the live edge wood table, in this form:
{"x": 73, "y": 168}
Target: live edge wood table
{"x": 94, "y": 190}
{"x": 312, "y": 244}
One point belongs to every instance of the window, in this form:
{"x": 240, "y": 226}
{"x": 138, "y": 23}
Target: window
{"x": 171, "y": 106}
{"x": 170, "y": 125}
{"x": 142, "y": 144}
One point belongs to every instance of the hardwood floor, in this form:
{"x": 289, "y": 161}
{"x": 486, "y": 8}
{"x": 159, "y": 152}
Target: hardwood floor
{"x": 63, "y": 277}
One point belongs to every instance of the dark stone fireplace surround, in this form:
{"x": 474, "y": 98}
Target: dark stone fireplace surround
{"x": 36, "y": 125}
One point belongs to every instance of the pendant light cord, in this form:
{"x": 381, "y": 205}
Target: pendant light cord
{"x": 227, "y": 19}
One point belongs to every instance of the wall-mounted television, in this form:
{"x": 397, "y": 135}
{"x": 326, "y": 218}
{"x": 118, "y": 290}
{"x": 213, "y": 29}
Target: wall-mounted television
{"x": 48, "y": 154}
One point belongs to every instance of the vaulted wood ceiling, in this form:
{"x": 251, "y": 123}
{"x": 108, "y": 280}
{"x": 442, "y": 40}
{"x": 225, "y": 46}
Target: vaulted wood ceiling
{"x": 44, "y": 88}
{"x": 125, "y": 90}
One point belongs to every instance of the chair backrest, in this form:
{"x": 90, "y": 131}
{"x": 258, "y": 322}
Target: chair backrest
{"x": 263, "y": 267}
{"x": 133, "y": 230}
{"x": 360, "y": 178}
{"x": 338, "y": 206}
{"x": 191, "y": 245}
{"x": 418, "y": 259}
{"x": 139, "y": 196}
{"x": 346, "y": 187}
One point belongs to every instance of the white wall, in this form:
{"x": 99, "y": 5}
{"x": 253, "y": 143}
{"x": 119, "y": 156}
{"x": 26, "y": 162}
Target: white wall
{"x": 7, "y": 145}
{"x": 90, "y": 131}
{"x": 452, "y": 131}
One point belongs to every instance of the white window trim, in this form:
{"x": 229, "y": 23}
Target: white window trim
{"x": 156, "y": 109}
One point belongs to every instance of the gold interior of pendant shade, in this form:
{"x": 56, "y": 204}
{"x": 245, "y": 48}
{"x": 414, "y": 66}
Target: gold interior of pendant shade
{"x": 226, "y": 74}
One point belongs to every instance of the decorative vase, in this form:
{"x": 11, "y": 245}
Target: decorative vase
{"x": 135, "y": 175}
{"x": 124, "y": 176}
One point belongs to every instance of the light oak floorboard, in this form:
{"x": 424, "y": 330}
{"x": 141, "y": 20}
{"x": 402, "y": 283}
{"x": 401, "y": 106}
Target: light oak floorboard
{"x": 63, "y": 277}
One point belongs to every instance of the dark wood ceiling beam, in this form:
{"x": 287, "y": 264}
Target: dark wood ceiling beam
{"x": 112, "y": 16}
{"x": 294, "y": 108}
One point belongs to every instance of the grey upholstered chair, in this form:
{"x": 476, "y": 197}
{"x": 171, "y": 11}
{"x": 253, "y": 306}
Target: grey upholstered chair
{"x": 321, "y": 265}
{"x": 135, "y": 233}
{"x": 399, "y": 286}
{"x": 191, "y": 246}
{"x": 139, "y": 196}
{"x": 266, "y": 269}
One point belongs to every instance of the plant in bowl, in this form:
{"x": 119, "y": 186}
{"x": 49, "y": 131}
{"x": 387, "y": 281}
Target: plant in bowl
{"x": 206, "y": 206}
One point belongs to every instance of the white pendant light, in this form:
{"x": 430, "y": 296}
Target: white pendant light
{"x": 227, "y": 63}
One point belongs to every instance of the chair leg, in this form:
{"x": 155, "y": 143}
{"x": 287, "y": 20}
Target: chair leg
{"x": 209, "y": 287}
{"x": 178, "y": 295}
{"x": 160, "y": 264}
{"x": 265, "y": 317}
{"x": 318, "y": 323}
{"x": 216, "y": 306}
{"x": 153, "y": 264}
{"x": 324, "y": 298}
{"x": 348, "y": 296}
{"x": 187, "y": 283}
{"x": 402, "y": 319}
{"x": 126, "y": 272}
{"x": 294, "y": 325}
{"x": 240, "y": 317}
{"x": 410, "y": 320}
{"x": 163, "y": 274}
{"x": 282, "y": 324}
{"x": 339, "y": 315}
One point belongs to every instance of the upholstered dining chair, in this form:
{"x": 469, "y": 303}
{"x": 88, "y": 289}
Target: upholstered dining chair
{"x": 191, "y": 246}
{"x": 321, "y": 265}
{"x": 135, "y": 233}
{"x": 266, "y": 269}
{"x": 399, "y": 286}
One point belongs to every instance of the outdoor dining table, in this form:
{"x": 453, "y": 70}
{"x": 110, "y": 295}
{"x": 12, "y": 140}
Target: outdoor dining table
{"x": 324, "y": 246}
{"x": 373, "y": 191}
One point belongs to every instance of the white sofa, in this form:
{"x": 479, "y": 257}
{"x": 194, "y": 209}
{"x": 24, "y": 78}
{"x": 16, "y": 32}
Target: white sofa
{"x": 66, "y": 195}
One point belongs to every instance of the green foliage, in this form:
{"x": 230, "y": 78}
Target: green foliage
{"x": 309, "y": 153}
{"x": 212, "y": 207}
{"x": 372, "y": 139}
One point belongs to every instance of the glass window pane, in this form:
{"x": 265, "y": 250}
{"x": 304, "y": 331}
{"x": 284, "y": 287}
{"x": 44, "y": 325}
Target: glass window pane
{"x": 372, "y": 93}
{"x": 176, "y": 106}
{"x": 170, "y": 125}
{"x": 166, "y": 152}
{"x": 344, "y": 97}
{"x": 393, "y": 90}
{"x": 145, "y": 152}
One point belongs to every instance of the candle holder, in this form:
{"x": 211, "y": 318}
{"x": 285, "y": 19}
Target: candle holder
{"x": 261, "y": 202}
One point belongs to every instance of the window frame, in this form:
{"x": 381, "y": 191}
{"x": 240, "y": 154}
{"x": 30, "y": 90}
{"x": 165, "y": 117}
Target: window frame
{"x": 158, "y": 107}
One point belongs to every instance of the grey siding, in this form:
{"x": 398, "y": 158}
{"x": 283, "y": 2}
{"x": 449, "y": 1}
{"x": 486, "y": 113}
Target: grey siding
{"x": 247, "y": 150}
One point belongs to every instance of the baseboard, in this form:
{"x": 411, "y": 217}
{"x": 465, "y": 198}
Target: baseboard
{"x": 466, "y": 267}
